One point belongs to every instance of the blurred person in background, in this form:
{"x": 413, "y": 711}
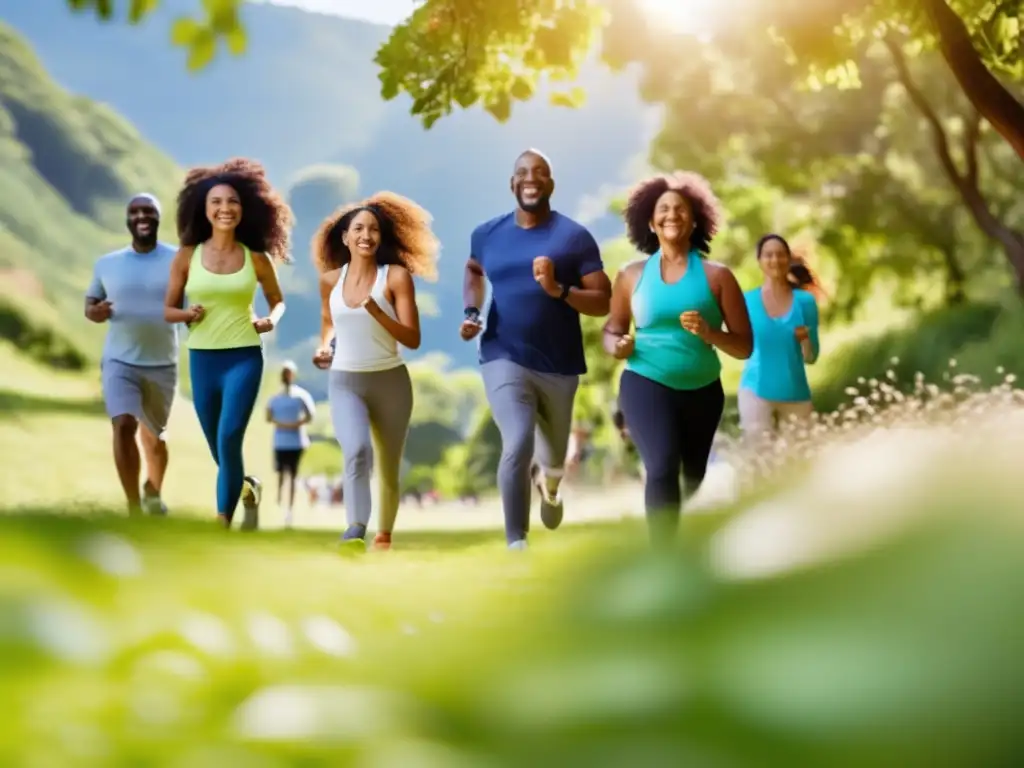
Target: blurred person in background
{"x": 367, "y": 254}
{"x": 671, "y": 392}
{"x": 784, "y": 315}
{"x": 232, "y": 225}
{"x": 545, "y": 270}
{"x": 139, "y": 367}
{"x": 290, "y": 410}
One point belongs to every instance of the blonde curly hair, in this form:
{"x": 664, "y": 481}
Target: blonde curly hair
{"x": 406, "y": 236}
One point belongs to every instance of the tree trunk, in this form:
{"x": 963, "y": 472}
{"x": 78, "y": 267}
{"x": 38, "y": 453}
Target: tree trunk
{"x": 986, "y": 93}
{"x": 1009, "y": 239}
{"x": 955, "y": 277}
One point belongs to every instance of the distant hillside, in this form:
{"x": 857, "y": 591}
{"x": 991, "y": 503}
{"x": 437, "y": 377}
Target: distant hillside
{"x": 307, "y": 93}
{"x": 67, "y": 167}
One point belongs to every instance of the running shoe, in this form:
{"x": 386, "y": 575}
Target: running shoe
{"x": 518, "y": 545}
{"x": 382, "y": 541}
{"x": 252, "y": 494}
{"x": 354, "y": 538}
{"x": 152, "y": 504}
{"x": 550, "y": 505}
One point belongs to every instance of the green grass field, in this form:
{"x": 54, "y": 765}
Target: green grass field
{"x": 56, "y": 440}
{"x": 861, "y": 607}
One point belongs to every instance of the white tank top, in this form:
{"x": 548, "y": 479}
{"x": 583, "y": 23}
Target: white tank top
{"x": 362, "y": 343}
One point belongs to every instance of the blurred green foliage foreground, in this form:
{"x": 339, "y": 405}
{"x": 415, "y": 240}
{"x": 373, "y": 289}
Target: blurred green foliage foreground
{"x": 861, "y": 609}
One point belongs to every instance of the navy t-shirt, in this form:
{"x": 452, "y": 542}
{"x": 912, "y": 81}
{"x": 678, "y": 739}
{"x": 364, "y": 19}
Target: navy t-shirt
{"x": 525, "y": 325}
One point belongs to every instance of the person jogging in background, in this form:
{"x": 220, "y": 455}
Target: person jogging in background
{"x": 290, "y": 410}
{"x": 139, "y": 368}
{"x": 367, "y": 255}
{"x": 231, "y": 224}
{"x": 671, "y": 392}
{"x": 545, "y": 270}
{"x": 784, "y": 314}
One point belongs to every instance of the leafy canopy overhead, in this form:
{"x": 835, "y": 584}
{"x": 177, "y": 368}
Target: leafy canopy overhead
{"x": 460, "y": 53}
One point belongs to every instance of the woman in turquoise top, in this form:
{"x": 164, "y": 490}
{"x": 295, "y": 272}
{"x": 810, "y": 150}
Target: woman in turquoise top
{"x": 231, "y": 224}
{"x": 670, "y": 393}
{"x": 784, "y": 315}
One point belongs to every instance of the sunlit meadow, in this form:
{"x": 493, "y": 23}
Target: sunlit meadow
{"x": 858, "y": 606}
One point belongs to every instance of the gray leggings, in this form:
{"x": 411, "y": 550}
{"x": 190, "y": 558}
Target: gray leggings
{"x": 381, "y": 402}
{"x": 533, "y": 412}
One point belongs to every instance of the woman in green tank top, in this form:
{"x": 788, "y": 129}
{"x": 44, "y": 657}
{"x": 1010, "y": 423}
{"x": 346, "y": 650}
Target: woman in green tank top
{"x": 231, "y": 226}
{"x": 670, "y": 392}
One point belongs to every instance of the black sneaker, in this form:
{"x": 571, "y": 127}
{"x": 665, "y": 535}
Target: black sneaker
{"x": 550, "y": 505}
{"x": 252, "y": 494}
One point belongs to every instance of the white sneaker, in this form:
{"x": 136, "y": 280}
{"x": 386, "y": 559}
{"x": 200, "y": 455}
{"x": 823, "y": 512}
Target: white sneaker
{"x": 152, "y": 504}
{"x": 252, "y": 494}
{"x": 287, "y": 518}
{"x": 518, "y": 545}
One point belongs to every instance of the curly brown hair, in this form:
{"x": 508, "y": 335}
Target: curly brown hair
{"x": 266, "y": 218}
{"x": 695, "y": 189}
{"x": 406, "y": 236}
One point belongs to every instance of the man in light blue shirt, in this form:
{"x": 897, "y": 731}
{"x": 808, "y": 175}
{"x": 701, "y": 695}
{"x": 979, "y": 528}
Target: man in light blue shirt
{"x": 139, "y": 368}
{"x": 290, "y": 410}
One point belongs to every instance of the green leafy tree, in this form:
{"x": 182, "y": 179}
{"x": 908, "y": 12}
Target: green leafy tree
{"x": 462, "y": 52}
{"x": 892, "y": 174}
{"x": 458, "y": 53}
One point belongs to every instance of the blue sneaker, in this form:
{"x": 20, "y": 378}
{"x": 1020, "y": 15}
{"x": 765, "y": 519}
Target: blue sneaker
{"x": 354, "y": 538}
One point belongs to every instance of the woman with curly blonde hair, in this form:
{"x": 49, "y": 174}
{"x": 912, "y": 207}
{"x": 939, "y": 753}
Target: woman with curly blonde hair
{"x": 367, "y": 255}
{"x": 232, "y": 225}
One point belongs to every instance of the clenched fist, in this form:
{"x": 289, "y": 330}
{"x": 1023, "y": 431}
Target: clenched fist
{"x": 544, "y": 274}
{"x": 695, "y": 324}
{"x": 624, "y": 347}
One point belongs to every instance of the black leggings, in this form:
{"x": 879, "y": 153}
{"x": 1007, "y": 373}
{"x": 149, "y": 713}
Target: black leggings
{"x": 673, "y": 429}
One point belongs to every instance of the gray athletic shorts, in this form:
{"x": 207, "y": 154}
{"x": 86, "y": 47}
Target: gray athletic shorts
{"x": 140, "y": 391}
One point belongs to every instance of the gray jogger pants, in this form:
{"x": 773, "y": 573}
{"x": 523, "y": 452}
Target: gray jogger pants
{"x": 377, "y": 402}
{"x": 533, "y": 412}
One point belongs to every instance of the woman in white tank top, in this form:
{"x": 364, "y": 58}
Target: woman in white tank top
{"x": 367, "y": 255}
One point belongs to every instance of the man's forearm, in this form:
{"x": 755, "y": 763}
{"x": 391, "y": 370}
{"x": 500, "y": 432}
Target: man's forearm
{"x": 593, "y": 302}
{"x": 473, "y": 289}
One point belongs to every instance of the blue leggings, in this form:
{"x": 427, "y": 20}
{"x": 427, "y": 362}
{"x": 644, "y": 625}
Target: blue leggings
{"x": 225, "y": 385}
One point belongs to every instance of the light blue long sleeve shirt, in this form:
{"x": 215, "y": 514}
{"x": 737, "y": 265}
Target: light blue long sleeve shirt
{"x": 775, "y": 371}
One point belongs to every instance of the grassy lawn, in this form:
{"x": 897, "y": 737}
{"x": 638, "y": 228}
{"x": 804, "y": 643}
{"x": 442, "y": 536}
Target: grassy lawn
{"x": 55, "y": 438}
{"x": 860, "y": 609}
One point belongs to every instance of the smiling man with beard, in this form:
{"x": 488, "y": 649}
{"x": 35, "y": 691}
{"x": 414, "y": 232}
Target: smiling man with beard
{"x": 140, "y": 357}
{"x": 545, "y": 271}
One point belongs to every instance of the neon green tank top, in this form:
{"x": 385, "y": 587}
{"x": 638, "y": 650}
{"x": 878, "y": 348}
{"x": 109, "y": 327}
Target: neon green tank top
{"x": 227, "y": 299}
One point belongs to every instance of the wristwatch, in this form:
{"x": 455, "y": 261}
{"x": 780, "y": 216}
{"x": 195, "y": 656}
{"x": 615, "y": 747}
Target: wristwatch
{"x": 565, "y": 292}
{"x": 472, "y": 314}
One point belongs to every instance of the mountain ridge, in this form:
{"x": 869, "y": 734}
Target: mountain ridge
{"x": 307, "y": 93}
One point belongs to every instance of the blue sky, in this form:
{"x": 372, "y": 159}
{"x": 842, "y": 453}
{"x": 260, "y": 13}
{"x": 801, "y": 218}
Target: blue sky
{"x": 380, "y": 11}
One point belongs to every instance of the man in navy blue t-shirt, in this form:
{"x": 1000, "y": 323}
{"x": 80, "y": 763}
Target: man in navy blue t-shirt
{"x": 545, "y": 271}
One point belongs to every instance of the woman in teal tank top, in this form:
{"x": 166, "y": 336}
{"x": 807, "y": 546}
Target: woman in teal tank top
{"x": 670, "y": 392}
{"x": 784, "y": 315}
{"x": 231, "y": 225}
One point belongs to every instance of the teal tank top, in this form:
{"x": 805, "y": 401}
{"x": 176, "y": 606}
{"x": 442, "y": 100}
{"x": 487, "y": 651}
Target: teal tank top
{"x": 663, "y": 350}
